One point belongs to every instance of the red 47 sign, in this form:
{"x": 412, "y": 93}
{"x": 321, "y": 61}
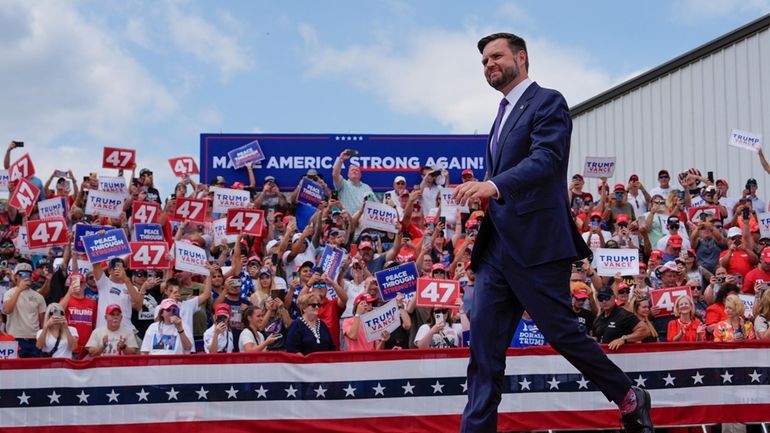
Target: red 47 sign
{"x": 22, "y": 168}
{"x": 149, "y": 255}
{"x": 46, "y": 233}
{"x": 115, "y": 157}
{"x": 433, "y": 292}
{"x": 246, "y": 221}
{"x": 191, "y": 209}
{"x": 145, "y": 212}
{"x": 664, "y": 299}
{"x": 24, "y": 197}
{"x": 183, "y": 165}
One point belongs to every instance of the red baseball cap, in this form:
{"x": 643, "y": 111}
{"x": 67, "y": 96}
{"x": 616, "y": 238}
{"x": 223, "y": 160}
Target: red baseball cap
{"x": 112, "y": 308}
{"x": 596, "y": 214}
{"x": 619, "y": 187}
{"x": 365, "y": 244}
{"x": 722, "y": 181}
{"x": 766, "y": 254}
{"x": 222, "y": 310}
{"x": 437, "y": 267}
{"x": 467, "y": 172}
{"x": 365, "y": 297}
{"x": 656, "y": 254}
{"x": 580, "y": 290}
{"x": 675, "y": 241}
{"x": 238, "y": 185}
{"x": 622, "y": 218}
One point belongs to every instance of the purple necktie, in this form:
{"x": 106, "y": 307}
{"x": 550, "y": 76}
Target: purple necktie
{"x": 496, "y": 128}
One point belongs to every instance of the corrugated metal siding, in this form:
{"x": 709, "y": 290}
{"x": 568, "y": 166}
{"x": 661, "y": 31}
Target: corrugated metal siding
{"x": 683, "y": 119}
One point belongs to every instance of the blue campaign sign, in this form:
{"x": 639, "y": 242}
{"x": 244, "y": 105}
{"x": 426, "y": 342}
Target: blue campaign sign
{"x": 100, "y": 248}
{"x": 331, "y": 259}
{"x": 400, "y": 279}
{"x": 249, "y": 152}
{"x": 381, "y": 157}
{"x": 148, "y": 232}
{"x": 310, "y": 192}
{"x": 86, "y": 230}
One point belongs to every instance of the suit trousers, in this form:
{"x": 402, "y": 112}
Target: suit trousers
{"x": 503, "y": 290}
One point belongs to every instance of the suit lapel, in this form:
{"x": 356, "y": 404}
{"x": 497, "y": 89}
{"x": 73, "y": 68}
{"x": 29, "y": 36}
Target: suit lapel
{"x": 510, "y": 122}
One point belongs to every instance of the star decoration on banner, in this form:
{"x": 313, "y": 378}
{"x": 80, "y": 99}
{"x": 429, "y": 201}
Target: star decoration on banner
{"x": 172, "y": 395}
{"x": 320, "y": 392}
{"x": 349, "y": 391}
{"x": 669, "y": 379}
{"x": 755, "y": 377}
{"x": 291, "y": 391}
{"x": 379, "y": 390}
{"x": 261, "y": 392}
{"x": 641, "y": 381}
{"x": 698, "y": 378}
{"x": 83, "y": 397}
{"x": 464, "y": 385}
{"x": 24, "y": 399}
{"x": 525, "y": 384}
{"x": 727, "y": 377}
{"x": 232, "y": 393}
{"x": 142, "y": 394}
{"x": 408, "y": 388}
{"x": 113, "y": 396}
{"x": 438, "y": 388}
{"x": 203, "y": 394}
{"x": 582, "y": 383}
{"x": 54, "y": 397}
{"x": 553, "y": 383}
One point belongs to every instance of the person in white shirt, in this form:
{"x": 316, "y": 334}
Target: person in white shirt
{"x": 638, "y": 197}
{"x": 663, "y": 187}
{"x": 727, "y": 202}
{"x": 113, "y": 339}
{"x": 115, "y": 287}
{"x": 399, "y": 187}
{"x": 751, "y": 194}
{"x": 187, "y": 308}
{"x": 56, "y": 339}
{"x": 219, "y": 338}
{"x": 166, "y": 336}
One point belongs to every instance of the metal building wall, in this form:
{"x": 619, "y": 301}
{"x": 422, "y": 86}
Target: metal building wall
{"x": 683, "y": 119}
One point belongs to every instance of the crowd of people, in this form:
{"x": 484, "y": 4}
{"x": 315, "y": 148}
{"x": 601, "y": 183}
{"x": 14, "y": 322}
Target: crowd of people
{"x": 269, "y": 292}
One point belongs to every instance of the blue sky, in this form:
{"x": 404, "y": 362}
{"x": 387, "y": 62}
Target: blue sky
{"x": 153, "y": 75}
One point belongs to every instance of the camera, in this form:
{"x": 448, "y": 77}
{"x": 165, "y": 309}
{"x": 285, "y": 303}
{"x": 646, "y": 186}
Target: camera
{"x": 439, "y": 317}
{"x": 235, "y": 283}
{"x": 18, "y": 143}
{"x": 746, "y": 213}
{"x": 351, "y": 152}
{"x": 221, "y": 319}
{"x": 442, "y": 220}
{"x": 387, "y": 196}
{"x": 57, "y": 313}
{"x": 335, "y": 195}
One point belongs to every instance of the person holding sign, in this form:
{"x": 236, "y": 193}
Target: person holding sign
{"x": 352, "y": 191}
{"x": 353, "y": 328}
{"x": 115, "y": 287}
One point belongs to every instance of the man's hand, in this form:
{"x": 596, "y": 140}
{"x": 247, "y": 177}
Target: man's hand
{"x": 344, "y": 155}
{"x": 471, "y": 190}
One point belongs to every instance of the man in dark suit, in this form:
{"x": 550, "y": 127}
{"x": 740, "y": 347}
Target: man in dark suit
{"x": 527, "y": 243}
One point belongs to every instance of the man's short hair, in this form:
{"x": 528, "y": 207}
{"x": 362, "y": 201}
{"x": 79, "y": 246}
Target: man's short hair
{"x": 515, "y": 43}
{"x": 173, "y": 282}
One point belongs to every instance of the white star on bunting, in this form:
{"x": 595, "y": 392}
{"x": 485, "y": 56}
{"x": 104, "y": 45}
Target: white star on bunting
{"x": 232, "y": 393}
{"x": 320, "y": 392}
{"x": 755, "y": 377}
{"x": 379, "y": 390}
{"x": 291, "y": 392}
{"x": 640, "y": 381}
{"x": 727, "y": 377}
{"x": 113, "y": 396}
{"x": 54, "y": 397}
{"x": 698, "y": 378}
{"x": 408, "y": 388}
{"x": 83, "y": 397}
{"x": 203, "y": 394}
{"x": 554, "y": 384}
{"x": 525, "y": 384}
{"x": 669, "y": 379}
{"x": 438, "y": 388}
{"x": 349, "y": 391}
{"x": 261, "y": 392}
{"x": 24, "y": 398}
{"x": 142, "y": 394}
{"x": 582, "y": 383}
{"x": 172, "y": 394}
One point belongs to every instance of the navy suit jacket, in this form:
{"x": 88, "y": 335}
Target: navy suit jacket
{"x": 532, "y": 214}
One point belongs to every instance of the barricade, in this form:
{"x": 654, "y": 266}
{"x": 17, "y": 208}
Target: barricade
{"x": 386, "y": 391}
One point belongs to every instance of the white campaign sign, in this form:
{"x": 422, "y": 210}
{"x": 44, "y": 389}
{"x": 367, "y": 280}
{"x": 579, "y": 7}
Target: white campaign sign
{"x": 228, "y": 198}
{"x": 610, "y": 261}
{"x": 51, "y": 208}
{"x": 107, "y": 204}
{"x": 745, "y": 140}
{"x": 597, "y": 167}
{"x": 9, "y": 349}
{"x": 449, "y": 207}
{"x": 5, "y": 178}
{"x": 84, "y": 266}
{"x": 113, "y": 184}
{"x": 764, "y": 224}
{"x": 379, "y": 216}
{"x": 190, "y": 258}
{"x": 22, "y": 244}
{"x": 218, "y": 229}
{"x": 383, "y": 318}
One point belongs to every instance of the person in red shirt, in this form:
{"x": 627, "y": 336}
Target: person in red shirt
{"x": 738, "y": 258}
{"x": 686, "y": 327}
{"x": 715, "y": 312}
{"x": 80, "y": 312}
{"x": 760, "y": 274}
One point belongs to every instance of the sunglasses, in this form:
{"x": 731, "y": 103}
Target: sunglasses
{"x": 400, "y": 183}
{"x": 664, "y": 177}
{"x": 658, "y": 202}
{"x": 314, "y": 305}
{"x": 357, "y": 268}
{"x": 24, "y": 274}
{"x": 624, "y": 291}
{"x": 604, "y": 298}
{"x": 696, "y": 287}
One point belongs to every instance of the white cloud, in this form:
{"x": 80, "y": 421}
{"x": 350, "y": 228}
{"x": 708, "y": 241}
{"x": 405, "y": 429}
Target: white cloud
{"x": 440, "y": 74}
{"x": 67, "y": 81}
{"x": 194, "y": 35}
{"x": 136, "y": 32}
{"x": 696, "y": 9}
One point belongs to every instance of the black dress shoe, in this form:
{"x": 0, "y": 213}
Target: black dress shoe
{"x": 639, "y": 420}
